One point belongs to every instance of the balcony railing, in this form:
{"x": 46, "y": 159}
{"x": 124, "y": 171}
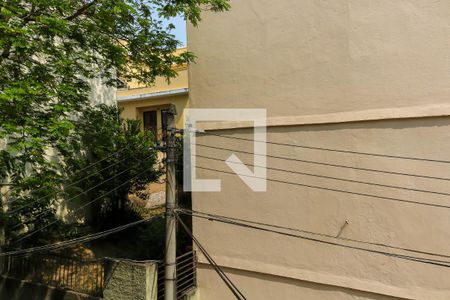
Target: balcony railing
{"x": 186, "y": 275}
{"x": 84, "y": 276}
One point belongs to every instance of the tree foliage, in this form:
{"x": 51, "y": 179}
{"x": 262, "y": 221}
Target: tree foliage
{"x": 108, "y": 154}
{"x": 49, "y": 49}
{"x": 49, "y": 52}
{"x": 104, "y": 159}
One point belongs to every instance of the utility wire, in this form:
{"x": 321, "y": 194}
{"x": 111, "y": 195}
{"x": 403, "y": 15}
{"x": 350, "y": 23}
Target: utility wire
{"x": 334, "y": 178}
{"x": 78, "y": 171}
{"x": 329, "y": 149}
{"x": 236, "y": 292}
{"x": 76, "y": 241}
{"x": 327, "y": 164}
{"x": 67, "y": 186}
{"x": 191, "y": 212}
{"x": 440, "y": 263}
{"x": 331, "y": 189}
{"x": 81, "y": 207}
{"x": 68, "y": 200}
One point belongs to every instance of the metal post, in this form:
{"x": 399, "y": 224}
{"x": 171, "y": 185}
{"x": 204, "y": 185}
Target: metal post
{"x": 171, "y": 241}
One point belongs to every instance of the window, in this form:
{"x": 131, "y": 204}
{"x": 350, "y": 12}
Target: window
{"x": 150, "y": 122}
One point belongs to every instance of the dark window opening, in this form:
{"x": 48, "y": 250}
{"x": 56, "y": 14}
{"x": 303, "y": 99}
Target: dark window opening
{"x": 150, "y": 122}
{"x": 164, "y": 124}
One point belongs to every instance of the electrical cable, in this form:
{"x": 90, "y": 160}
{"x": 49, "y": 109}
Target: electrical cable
{"x": 440, "y": 263}
{"x": 190, "y": 212}
{"x": 70, "y": 199}
{"x": 334, "y": 178}
{"x": 328, "y": 164}
{"x": 328, "y": 149}
{"x": 236, "y": 292}
{"x": 78, "y": 171}
{"x": 67, "y": 186}
{"x": 76, "y": 241}
{"x": 81, "y": 207}
{"x": 331, "y": 189}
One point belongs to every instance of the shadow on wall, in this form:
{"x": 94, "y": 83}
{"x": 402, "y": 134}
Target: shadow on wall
{"x": 102, "y": 94}
{"x": 257, "y": 284}
{"x": 14, "y": 289}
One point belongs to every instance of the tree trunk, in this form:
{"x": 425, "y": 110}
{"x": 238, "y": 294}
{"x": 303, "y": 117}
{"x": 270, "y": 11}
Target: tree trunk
{"x": 2, "y": 219}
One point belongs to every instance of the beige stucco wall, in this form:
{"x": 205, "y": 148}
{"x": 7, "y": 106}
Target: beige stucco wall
{"x": 368, "y": 76}
{"x": 273, "y": 287}
{"x": 301, "y": 57}
{"x": 374, "y": 220}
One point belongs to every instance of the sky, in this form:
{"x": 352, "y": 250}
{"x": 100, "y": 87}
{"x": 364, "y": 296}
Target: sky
{"x": 180, "y": 28}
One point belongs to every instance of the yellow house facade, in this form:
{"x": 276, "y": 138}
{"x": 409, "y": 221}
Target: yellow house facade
{"x": 149, "y": 103}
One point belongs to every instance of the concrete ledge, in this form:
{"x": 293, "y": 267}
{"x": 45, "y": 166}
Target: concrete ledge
{"x": 425, "y": 111}
{"x": 327, "y": 279}
{"x": 138, "y": 97}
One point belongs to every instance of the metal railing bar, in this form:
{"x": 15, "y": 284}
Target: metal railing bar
{"x": 185, "y": 254}
{"x": 184, "y": 283}
{"x": 185, "y": 258}
{"x": 184, "y": 272}
{"x": 186, "y": 262}
{"x": 184, "y": 266}
{"x": 182, "y": 293}
{"x": 186, "y": 278}
{"x": 57, "y": 271}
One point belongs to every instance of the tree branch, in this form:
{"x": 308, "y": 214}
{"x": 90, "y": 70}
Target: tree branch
{"x": 81, "y": 10}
